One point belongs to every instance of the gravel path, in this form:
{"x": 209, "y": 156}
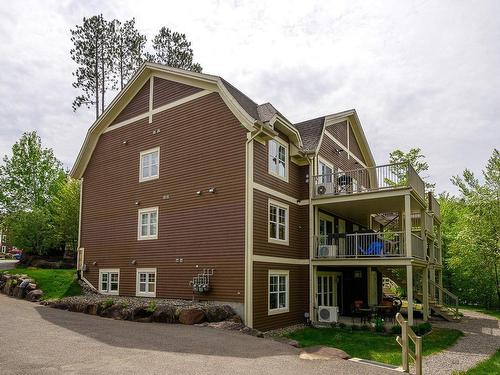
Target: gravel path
{"x": 481, "y": 340}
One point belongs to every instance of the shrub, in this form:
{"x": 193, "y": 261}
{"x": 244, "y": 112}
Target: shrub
{"x": 341, "y": 325}
{"x": 151, "y": 306}
{"x": 107, "y": 303}
{"x": 422, "y": 328}
{"x": 379, "y": 324}
{"x": 365, "y": 327}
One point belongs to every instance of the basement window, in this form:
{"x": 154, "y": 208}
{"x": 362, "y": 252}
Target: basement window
{"x": 146, "y": 282}
{"x": 109, "y": 281}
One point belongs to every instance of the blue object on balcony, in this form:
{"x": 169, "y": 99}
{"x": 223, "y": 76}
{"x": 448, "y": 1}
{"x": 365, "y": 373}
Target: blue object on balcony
{"x": 375, "y": 248}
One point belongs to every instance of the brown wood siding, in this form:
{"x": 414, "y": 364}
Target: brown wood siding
{"x": 327, "y": 152}
{"x": 296, "y": 186}
{"x": 298, "y": 296}
{"x": 298, "y": 229}
{"x": 354, "y": 146}
{"x": 202, "y": 145}
{"x": 138, "y": 105}
{"x": 165, "y": 91}
{"x": 339, "y": 131}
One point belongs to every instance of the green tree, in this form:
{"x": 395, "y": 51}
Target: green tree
{"x": 128, "y": 47}
{"x": 474, "y": 254}
{"x": 31, "y": 231}
{"x": 173, "y": 49}
{"x": 29, "y": 178}
{"x": 413, "y": 157}
{"x": 93, "y": 55}
{"x": 65, "y": 209}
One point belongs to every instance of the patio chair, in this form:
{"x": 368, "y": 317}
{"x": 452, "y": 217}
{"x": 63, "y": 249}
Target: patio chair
{"x": 374, "y": 248}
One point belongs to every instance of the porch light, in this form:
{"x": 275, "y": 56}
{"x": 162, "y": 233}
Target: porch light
{"x": 198, "y": 192}
{"x": 211, "y": 190}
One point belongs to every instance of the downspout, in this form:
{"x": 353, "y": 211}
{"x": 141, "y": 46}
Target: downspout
{"x": 248, "y": 297}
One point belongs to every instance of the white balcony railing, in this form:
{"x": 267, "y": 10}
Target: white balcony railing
{"x": 384, "y": 177}
{"x": 366, "y": 245}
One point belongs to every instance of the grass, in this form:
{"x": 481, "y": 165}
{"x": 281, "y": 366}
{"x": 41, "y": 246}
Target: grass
{"x": 54, "y": 283}
{"x": 487, "y": 367}
{"x": 371, "y": 345}
{"x": 491, "y": 312}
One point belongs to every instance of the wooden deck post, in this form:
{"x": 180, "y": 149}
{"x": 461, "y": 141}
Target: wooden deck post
{"x": 404, "y": 347}
{"x": 407, "y": 223}
{"x": 425, "y": 292}
{"x": 409, "y": 292}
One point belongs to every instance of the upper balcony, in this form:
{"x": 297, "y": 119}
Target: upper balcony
{"x": 434, "y": 206}
{"x": 379, "y": 178}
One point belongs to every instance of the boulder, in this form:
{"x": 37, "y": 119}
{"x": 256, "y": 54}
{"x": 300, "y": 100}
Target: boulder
{"x": 322, "y": 353}
{"x": 140, "y": 314}
{"x": 165, "y": 314}
{"x": 34, "y": 295}
{"x": 251, "y": 331}
{"x": 192, "y": 316}
{"x": 218, "y": 313}
{"x": 77, "y": 307}
{"x": 113, "y": 311}
{"x": 91, "y": 308}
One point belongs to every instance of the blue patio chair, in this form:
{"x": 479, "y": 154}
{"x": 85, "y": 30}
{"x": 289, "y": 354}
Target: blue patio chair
{"x": 375, "y": 248}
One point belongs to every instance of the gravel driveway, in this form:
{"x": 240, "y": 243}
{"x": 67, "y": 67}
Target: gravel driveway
{"x": 481, "y": 340}
{"x": 36, "y": 339}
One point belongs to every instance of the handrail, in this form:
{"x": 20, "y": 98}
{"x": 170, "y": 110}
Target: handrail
{"x": 449, "y": 299}
{"x": 407, "y": 334}
{"x": 360, "y": 180}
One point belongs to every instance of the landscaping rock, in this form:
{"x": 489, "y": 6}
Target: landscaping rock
{"x": 218, "y": 313}
{"x": 34, "y": 295}
{"x": 141, "y": 314}
{"x": 192, "y": 316}
{"x": 251, "y": 331}
{"x": 165, "y": 314}
{"x": 322, "y": 353}
{"x": 287, "y": 341}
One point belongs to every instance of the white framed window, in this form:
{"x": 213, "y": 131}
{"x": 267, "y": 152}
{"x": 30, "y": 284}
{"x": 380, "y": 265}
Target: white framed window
{"x": 278, "y": 300}
{"x": 4, "y": 249}
{"x": 146, "y": 282}
{"x": 278, "y": 158}
{"x": 109, "y": 281}
{"x": 148, "y": 224}
{"x": 325, "y": 171}
{"x": 149, "y": 168}
{"x": 278, "y": 222}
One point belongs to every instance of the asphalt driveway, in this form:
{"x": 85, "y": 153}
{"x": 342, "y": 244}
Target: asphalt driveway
{"x": 7, "y": 264}
{"x": 35, "y": 339}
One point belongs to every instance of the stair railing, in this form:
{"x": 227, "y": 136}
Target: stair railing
{"x": 407, "y": 334}
{"x": 445, "y": 297}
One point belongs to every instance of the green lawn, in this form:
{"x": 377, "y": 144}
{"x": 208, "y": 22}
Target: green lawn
{"x": 487, "y": 367}
{"x": 491, "y": 312}
{"x": 373, "y": 346}
{"x": 54, "y": 283}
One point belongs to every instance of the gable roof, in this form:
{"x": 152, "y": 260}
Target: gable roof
{"x": 311, "y": 131}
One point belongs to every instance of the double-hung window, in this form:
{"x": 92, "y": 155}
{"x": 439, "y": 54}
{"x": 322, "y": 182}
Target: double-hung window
{"x": 146, "y": 282}
{"x": 109, "y": 280}
{"x": 148, "y": 224}
{"x": 278, "y": 159}
{"x": 149, "y": 164}
{"x": 325, "y": 171}
{"x": 278, "y": 222}
{"x": 278, "y": 292}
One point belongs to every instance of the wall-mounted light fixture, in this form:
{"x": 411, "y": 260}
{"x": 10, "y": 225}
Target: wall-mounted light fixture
{"x": 137, "y": 203}
{"x": 211, "y": 190}
{"x": 198, "y": 192}
{"x": 94, "y": 263}
{"x": 166, "y": 196}
{"x": 125, "y": 143}
{"x": 134, "y": 262}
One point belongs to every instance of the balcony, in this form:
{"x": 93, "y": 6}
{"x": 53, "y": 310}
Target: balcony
{"x": 363, "y": 180}
{"x": 434, "y": 206}
{"x": 367, "y": 245}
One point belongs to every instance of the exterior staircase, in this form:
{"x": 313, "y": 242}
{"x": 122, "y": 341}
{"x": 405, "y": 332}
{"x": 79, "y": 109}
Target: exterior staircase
{"x": 441, "y": 301}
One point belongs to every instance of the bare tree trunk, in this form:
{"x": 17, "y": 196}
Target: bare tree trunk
{"x": 96, "y": 71}
{"x": 497, "y": 281}
{"x": 103, "y": 79}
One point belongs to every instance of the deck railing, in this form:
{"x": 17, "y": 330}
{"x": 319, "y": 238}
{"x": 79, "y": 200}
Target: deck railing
{"x": 429, "y": 225}
{"x": 383, "y": 177}
{"x": 444, "y": 297}
{"x": 366, "y": 245}
{"x": 434, "y": 206}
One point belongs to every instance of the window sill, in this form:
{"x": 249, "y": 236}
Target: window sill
{"x": 278, "y": 242}
{"x": 147, "y": 238}
{"x": 278, "y": 311}
{"x": 284, "y": 179}
{"x": 149, "y": 178}
{"x": 109, "y": 293}
{"x": 145, "y": 294}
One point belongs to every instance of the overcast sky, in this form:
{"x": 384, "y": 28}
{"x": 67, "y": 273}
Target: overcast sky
{"x": 423, "y": 73}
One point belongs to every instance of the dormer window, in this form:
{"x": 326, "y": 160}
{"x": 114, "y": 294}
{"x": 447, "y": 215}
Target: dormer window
{"x": 149, "y": 164}
{"x": 278, "y": 159}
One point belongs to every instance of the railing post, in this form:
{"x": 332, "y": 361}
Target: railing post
{"x": 418, "y": 355}
{"x": 425, "y": 293}
{"x": 404, "y": 337}
{"x": 407, "y": 227}
{"x": 409, "y": 292}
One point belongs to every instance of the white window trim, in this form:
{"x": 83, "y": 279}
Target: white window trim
{"x": 282, "y": 310}
{"x": 142, "y": 153}
{"x": 109, "y": 270}
{"x": 140, "y": 237}
{"x": 137, "y": 289}
{"x": 287, "y": 220}
{"x": 287, "y": 157}
{"x": 325, "y": 162}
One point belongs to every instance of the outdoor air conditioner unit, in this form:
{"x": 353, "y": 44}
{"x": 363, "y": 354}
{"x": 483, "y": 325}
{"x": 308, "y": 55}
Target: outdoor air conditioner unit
{"x": 327, "y": 251}
{"x": 328, "y": 314}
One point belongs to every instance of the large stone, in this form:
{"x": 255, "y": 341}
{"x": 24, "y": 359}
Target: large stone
{"x": 218, "y": 313}
{"x": 322, "y": 353}
{"x": 251, "y": 331}
{"x": 192, "y": 316}
{"x": 165, "y": 314}
{"x": 34, "y": 295}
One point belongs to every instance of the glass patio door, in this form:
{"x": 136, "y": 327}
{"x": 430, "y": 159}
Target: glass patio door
{"x": 326, "y": 294}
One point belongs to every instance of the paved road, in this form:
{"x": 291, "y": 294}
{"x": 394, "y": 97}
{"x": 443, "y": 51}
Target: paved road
{"x": 7, "y": 264}
{"x": 42, "y": 340}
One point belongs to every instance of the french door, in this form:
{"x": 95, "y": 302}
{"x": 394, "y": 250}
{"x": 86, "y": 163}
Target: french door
{"x": 326, "y": 289}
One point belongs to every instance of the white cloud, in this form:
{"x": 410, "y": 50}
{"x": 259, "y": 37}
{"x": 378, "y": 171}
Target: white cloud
{"x": 419, "y": 73}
